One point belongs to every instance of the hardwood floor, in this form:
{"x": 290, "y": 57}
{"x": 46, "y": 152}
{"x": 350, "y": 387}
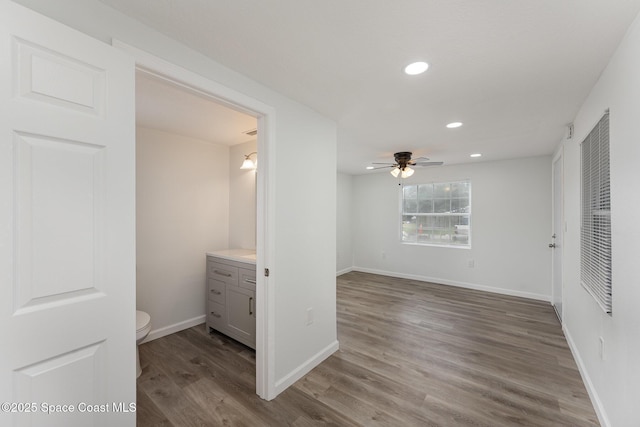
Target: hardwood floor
{"x": 411, "y": 354}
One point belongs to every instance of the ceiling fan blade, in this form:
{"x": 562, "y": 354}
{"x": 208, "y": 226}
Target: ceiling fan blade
{"x": 384, "y": 167}
{"x": 385, "y": 163}
{"x": 428, "y": 163}
{"x": 420, "y": 159}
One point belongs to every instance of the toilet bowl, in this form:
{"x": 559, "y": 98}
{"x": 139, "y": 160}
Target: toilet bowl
{"x": 143, "y": 326}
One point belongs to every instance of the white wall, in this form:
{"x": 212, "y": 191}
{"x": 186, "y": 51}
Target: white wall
{"x": 344, "y": 255}
{"x": 510, "y": 228}
{"x": 306, "y": 252}
{"x": 301, "y": 193}
{"x": 182, "y": 211}
{"x": 615, "y": 380}
{"x": 242, "y": 198}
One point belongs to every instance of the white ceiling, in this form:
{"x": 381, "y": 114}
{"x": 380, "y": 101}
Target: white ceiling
{"x": 162, "y": 105}
{"x": 515, "y": 72}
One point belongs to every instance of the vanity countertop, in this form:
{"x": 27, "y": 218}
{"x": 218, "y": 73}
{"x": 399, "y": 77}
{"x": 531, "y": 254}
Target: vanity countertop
{"x": 241, "y": 255}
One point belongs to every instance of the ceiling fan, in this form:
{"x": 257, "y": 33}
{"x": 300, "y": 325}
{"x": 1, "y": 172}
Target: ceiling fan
{"x": 403, "y": 162}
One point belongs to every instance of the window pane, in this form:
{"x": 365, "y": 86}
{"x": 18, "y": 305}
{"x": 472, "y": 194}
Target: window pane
{"x": 442, "y": 205}
{"x": 410, "y": 196}
{"x": 460, "y": 189}
{"x": 442, "y": 189}
{"x": 410, "y": 206}
{"x": 425, "y": 198}
{"x": 425, "y": 191}
{"x": 459, "y": 205}
{"x": 410, "y": 192}
{"x": 425, "y": 206}
{"x": 409, "y": 228}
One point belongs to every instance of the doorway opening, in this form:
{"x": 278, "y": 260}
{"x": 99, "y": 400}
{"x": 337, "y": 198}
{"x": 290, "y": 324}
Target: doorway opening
{"x": 263, "y": 117}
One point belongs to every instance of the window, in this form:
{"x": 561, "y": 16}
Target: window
{"x": 595, "y": 230}
{"x": 437, "y": 213}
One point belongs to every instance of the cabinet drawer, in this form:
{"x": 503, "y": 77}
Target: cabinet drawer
{"x": 217, "y": 316}
{"x": 247, "y": 279}
{"x": 223, "y": 272}
{"x": 216, "y": 289}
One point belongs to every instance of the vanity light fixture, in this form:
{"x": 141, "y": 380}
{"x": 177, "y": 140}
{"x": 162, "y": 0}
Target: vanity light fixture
{"x": 248, "y": 163}
{"x": 454, "y": 125}
{"x": 475, "y": 155}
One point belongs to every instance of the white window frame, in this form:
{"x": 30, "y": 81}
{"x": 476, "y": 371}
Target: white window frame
{"x": 437, "y": 244}
{"x": 595, "y": 215}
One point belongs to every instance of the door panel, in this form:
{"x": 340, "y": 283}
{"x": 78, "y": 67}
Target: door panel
{"x": 50, "y": 176}
{"x": 67, "y": 222}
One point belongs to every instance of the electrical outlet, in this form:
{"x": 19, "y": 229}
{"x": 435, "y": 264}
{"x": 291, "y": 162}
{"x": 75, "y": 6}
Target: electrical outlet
{"x": 383, "y": 255}
{"x": 601, "y": 348}
{"x": 309, "y": 316}
{"x": 471, "y": 263}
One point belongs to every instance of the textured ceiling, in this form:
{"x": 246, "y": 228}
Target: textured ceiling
{"x": 515, "y": 72}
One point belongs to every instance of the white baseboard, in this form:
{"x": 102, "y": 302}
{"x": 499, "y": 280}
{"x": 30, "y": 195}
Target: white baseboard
{"x": 439, "y": 281}
{"x": 306, "y": 367}
{"x": 346, "y": 270}
{"x": 593, "y": 394}
{"x": 176, "y": 327}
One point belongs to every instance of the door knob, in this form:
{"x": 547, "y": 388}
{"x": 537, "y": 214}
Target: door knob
{"x": 552, "y": 245}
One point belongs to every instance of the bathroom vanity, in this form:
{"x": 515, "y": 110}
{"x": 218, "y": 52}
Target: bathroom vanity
{"x": 231, "y": 294}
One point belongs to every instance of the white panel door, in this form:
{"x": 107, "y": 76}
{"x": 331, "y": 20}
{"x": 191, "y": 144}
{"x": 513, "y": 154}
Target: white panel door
{"x": 67, "y": 226}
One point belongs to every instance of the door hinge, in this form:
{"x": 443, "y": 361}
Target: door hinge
{"x": 266, "y": 272}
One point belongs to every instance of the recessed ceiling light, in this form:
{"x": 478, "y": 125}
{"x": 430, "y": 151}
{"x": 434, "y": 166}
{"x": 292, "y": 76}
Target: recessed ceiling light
{"x": 476, "y": 155}
{"x": 454, "y": 125}
{"x": 369, "y": 167}
{"x": 416, "y": 68}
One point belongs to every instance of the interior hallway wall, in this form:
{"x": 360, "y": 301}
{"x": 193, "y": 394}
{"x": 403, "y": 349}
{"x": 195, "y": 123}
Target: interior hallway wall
{"x": 613, "y": 376}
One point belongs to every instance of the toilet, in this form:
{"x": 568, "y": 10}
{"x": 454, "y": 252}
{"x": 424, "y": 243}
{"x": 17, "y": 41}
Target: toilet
{"x": 143, "y": 326}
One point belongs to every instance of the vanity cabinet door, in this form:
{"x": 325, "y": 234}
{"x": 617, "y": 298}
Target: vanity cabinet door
{"x": 241, "y": 315}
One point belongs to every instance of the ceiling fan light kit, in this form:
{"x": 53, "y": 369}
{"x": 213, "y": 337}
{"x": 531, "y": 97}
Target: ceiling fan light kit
{"x": 402, "y": 166}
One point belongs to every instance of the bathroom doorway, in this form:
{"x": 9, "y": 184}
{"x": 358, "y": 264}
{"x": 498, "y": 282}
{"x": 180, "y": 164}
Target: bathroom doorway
{"x": 251, "y": 117}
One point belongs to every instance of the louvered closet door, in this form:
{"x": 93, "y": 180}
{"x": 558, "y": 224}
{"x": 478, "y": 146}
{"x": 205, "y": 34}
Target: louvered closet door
{"x": 67, "y": 224}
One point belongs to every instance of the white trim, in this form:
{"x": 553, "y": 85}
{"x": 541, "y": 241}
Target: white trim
{"x": 466, "y": 285}
{"x": 558, "y": 156}
{"x": 591, "y": 389}
{"x": 306, "y": 367}
{"x": 265, "y": 292}
{"x": 176, "y": 327}
{"x": 345, "y": 271}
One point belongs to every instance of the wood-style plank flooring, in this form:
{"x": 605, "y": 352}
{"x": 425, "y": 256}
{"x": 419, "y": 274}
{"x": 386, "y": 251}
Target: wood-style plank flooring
{"x": 411, "y": 354}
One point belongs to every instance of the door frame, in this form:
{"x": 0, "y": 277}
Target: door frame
{"x": 265, "y": 217}
{"x": 555, "y": 210}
